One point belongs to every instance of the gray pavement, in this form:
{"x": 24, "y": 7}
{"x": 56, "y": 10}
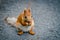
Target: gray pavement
{"x": 46, "y": 14}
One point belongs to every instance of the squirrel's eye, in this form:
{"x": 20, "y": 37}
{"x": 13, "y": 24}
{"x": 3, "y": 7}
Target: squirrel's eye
{"x": 25, "y": 17}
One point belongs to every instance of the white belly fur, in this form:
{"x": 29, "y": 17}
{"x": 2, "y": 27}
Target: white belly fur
{"x": 12, "y": 20}
{"x": 24, "y": 28}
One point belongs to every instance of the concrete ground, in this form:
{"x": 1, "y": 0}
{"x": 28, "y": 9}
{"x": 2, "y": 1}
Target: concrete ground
{"x": 46, "y": 14}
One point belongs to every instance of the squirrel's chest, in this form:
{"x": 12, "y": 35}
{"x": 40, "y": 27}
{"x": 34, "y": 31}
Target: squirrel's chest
{"x": 25, "y": 28}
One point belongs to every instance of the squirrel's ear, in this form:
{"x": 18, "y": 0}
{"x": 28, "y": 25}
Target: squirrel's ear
{"x": 29, "y": 9}
{"x": 25, "y": 10}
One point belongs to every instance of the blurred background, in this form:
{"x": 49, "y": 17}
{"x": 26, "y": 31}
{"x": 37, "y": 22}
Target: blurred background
{"x": 46, "y": 14}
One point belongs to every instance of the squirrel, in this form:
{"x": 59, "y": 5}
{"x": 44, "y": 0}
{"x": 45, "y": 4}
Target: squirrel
{"x": 24, "y": 22}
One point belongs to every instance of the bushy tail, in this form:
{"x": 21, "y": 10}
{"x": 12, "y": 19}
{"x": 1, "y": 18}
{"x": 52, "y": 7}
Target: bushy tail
{"x": 5, "y": 19}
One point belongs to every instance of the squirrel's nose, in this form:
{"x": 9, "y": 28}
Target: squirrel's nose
{"x": 25, "y": 20}
{"x": 28, "y": 21}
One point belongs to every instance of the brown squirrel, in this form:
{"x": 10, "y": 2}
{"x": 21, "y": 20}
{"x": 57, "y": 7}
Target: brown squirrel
{"x": 24, "y": 22}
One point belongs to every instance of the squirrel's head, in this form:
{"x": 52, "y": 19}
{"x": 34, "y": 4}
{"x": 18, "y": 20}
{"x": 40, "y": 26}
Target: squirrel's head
{"x": 27, "y": 16}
